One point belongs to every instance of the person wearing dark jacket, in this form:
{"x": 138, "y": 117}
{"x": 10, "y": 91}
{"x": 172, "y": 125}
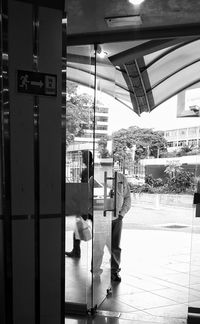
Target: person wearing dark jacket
{"x": 86, "y": 174}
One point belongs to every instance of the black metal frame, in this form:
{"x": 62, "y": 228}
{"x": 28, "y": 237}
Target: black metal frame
{"x": 63, "y": 166}
{"x": 174, "y": 31}
{"x": 6, "y": 165}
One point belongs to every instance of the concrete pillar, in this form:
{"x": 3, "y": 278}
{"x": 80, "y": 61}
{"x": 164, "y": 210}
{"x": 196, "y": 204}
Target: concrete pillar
{"x": 33, "y": 224}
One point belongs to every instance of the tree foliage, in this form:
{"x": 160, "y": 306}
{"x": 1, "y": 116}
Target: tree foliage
{"x": 179, "y": 180}
{"x": 148, "y": 143}
{"x": 79, "y": 112}
{"x": 173, "y": 169}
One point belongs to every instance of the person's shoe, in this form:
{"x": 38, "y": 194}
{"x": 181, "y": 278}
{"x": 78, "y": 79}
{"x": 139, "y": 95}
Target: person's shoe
{"x": 73, "y": 254}
{"x": 116, "y": 277}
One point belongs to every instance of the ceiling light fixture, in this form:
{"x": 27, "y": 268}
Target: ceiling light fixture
{"x": 136, "y": 2}
{"x": 101, "y": 53}
{"x": 64, "y": 21}
{"x": 123, "y": 21}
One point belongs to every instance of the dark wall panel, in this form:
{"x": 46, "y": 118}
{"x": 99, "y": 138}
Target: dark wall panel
{"x": 50, "y": 49}
{"x": 22, "y": 165}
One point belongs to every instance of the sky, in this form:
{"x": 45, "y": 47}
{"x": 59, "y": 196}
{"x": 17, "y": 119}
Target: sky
{"x": 161, "y": 118}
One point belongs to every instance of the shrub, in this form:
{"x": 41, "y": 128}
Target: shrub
{"x": 154, "y": 182}
{"x": 141, "y": 188}
{"x": 178, "y": 181}
{"x": 181, "y": 181}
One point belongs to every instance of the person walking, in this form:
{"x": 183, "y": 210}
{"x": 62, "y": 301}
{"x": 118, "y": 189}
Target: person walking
{"x": 123, "y": 204}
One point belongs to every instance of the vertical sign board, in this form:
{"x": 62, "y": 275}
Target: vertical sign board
{"x": 36, "y": 83}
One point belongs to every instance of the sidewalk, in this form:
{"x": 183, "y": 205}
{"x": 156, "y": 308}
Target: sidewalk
{"x": 156, "y": 276}
{"x": 160, "y": 267}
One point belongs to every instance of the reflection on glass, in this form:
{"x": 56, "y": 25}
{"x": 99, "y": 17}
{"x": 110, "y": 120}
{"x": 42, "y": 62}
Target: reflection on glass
{"x": 158, "y": 154}
{"x": 102, "y": 216}
{"x": 79, "y": 169}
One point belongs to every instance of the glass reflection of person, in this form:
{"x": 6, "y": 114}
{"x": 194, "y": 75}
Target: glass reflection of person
{"x": 123, "y": 204}
{"x": 86, "y": 174}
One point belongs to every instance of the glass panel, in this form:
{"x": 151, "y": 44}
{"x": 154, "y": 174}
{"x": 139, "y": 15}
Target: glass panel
{"x": 79, "y": 142}
{"x": 156, "y": 235}
{"x": 103, "y": 204}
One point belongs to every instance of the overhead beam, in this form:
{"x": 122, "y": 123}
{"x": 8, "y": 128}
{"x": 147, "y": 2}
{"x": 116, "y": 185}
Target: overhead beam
{"x": 86, "y": 60}
{"x": 174, "y": 31}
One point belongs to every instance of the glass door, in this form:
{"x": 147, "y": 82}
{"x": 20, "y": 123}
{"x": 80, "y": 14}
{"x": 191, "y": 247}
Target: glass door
{"x": 89, "y": 180}
{"x": 103, "y": 181}
{"x": 157, "y": 229}
{"x": 79, "y": 147}
{"x": 156, "y": 236}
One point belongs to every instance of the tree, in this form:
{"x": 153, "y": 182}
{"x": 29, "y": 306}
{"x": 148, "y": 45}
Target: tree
{"x": 148, "y": 143}
{"x": 79, "y": 112}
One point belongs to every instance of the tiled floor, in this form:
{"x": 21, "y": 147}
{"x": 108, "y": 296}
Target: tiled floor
{"x": 160, "y": 278}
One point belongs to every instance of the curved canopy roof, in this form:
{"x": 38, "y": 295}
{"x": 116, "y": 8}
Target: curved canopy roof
{"x": 152, "y": 49}
{"x": 140, "y": 74}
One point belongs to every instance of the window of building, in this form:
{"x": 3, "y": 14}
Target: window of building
{"x": 192, "y": 131}
{"x": 181, "y": 143}
{"x": 100, "y": 135}
{"x": 102, "y": 127}
{"x": 103, "y": 110}
{"x": 192, "y": 142}
{"x": 101, "y": 118}
{"x": 182, "y": 132}
{"x": 173, "y": 133}
{"x": 87, "y": 135}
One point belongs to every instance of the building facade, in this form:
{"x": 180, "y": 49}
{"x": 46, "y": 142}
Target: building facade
{"x": 177, "y": 138}
{"x": 86, "y": 142}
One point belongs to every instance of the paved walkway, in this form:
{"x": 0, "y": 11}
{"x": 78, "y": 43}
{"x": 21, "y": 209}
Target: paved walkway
{"x": 160, "y": 269}
{"x": 157, "y": 283}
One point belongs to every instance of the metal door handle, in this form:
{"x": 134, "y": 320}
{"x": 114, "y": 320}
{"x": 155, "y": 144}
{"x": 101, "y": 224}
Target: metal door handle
{"x": 115, "y": 193}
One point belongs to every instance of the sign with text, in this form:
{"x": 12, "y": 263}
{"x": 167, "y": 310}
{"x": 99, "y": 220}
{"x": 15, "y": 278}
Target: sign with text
{"x": 36, "y": 83}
